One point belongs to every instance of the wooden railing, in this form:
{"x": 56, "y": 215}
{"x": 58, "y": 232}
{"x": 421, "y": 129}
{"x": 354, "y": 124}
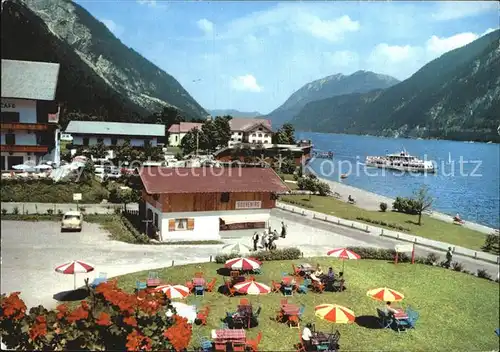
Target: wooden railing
{"x": 23, "y": 126}
{"x": 24, "y": 148}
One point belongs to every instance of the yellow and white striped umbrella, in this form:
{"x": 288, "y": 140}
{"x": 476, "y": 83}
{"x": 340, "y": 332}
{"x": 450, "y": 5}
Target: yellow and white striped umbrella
{"x": 385, "y": 294}
{"x": 335, "y": 313}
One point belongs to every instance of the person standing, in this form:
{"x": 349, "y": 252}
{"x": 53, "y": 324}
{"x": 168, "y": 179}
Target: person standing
{"x": 283, "y": 229}
{"x": 255, "y": 239}
{"x": 306, "y": 337}
{"x": 449, "y": 257}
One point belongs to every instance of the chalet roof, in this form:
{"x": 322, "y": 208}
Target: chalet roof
{"x": 211, "y": 180}
{"x": 184, "y": 127}
{"x": 242, "y": 124}
{"x": 29, "y": 79}
{"x": 115, "y": 128}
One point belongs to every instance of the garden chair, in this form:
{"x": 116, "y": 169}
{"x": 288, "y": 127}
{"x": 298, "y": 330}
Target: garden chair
{"x": 253, "y": 345}
{"x": 257, "y": 312}
{"x": 103, "y": 277}
{"x": 304, "y": 287}
{"x": 199, "y": 291}
{"x": 190, "y": 286}
{"x": 234, "y": 274}
{"x": 203, "y": 315}
{"x": 411, "y": 321}
{"x": 205, "y": 344}
{"x": 153, "y": 279}
{"x": 283, "y": 274}
{"x": 497, "y": 331}
{"x": 244, "y": 302}
{"x": 294, "y": 321}
{"x": 301, "y": 347}
{"x": 301, "y": 310}
{"x": 296, "y": 271}
{"x": 385, "y": 320}
{"x": 280, "y": 318}
{"x": 318, "y": 286}
{"x": 257, "y": 271}
{"x": 288, "y": 290}
{"x": 211, "y": 285}
{"x": 224, "y": 326}
{"x": 198, "y": 274}
{"x": 284, "y": 301}
{"x": 333, "y": 341}
{"x": 231, "y": 291}
{"x": 275, "y": 287}
{"x": 140, "y": 285}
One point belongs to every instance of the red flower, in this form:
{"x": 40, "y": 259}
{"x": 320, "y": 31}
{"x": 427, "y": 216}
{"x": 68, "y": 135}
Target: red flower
{"x": 41, "y": 319}
{"x": 138, "y": 342}
{"x": 103, "y": 319}
{"x": 39, "y": 329}
{"x": 78, "y": 314}
{"x": 62, "y": 311}
{"x": 13, "y": 306}
{"x": 179, "y": 334}
{"x": 130, "y": 321}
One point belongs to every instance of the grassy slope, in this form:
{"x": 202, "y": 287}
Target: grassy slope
{"x": 457, "y": 311}
{"x": 431, "y": 228}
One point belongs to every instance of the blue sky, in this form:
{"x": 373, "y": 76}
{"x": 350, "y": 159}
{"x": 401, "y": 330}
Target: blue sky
{"x": 251, "y": 55}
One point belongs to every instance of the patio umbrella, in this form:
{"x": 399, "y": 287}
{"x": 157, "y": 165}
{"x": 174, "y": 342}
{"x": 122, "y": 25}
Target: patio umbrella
{"x": 235, "y": 248}
{"x": 385, "y": 294}
{"x": 334, "y": 313}
{"x": 174, "y": 291}
{"x": 242, "y": 264}
{"x": 43, "y": 167}
{"x": 73, "y": 268}
{"x": 184, "y": 310}
{"x": 24, "y": 167}
{"x": 343, "y": 253}
{"x": 252, "y": 288}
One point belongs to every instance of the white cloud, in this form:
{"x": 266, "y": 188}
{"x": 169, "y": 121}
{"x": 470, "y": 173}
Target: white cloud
{"x": 437, "y": 46}
{"x": 343, "y": 58}
{"x": 245, "y": 83}
{"x": 391, "y": 54}
{"x": 206, "y": 26}
{"x": 151, "y": 3}
{"x": 113, "y": 27}
{"x": 453, "y": 10}
{"x": 293, "y": 17}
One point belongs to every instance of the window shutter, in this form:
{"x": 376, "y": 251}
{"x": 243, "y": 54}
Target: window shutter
{"x": 190, "y": 224}
{"x": 171, "y": 225}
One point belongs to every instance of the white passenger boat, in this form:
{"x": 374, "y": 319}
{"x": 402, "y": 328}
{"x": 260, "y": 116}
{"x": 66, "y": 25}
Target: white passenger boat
{"x": 401, "y": 161}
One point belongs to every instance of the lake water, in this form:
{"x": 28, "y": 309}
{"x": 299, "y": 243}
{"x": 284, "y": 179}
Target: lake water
{"x": 468, "y": 185}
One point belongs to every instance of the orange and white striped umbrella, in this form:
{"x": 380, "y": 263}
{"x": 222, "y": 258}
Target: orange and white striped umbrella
{"x": 335, "y": 313}
{"x": 385, "y": 294}
{"x": 252, "y": 288}
{"x": 174, "y": 291}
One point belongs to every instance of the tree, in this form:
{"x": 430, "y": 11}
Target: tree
{"x": 168, "y": 117}
{"x": 87, "y": 172}
{"x": 223, "y": 128}
{"x": 284, "y": 135}
{"x": 124, "y": 196}
{"x": 423, "y": 201}
{"x": 152, "y": 153}
{"x": 98, "y": 151}
{"x": 125, "y": 152}
{"x": 188, "y": 143}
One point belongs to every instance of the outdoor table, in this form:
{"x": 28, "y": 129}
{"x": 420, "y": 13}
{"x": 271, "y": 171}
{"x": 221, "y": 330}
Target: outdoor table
{"x": 245, "y": 311}
{"x": 228, "y": 335}
{"x": 290, "y": 309}
{"x": 320, "y": 338}
{"x": 401, "y": 314}
{"x": 306, "y": 267}
{"x": 199, "y": 281}
{"x": 288, "y": 281}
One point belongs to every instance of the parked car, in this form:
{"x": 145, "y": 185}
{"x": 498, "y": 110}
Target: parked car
{"x": 72, "y": 220}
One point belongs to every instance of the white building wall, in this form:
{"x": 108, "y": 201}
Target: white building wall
{"x": 25, "y": 108}
{"x": 22, "y": 138}
{"x": 134, "y": 142}
{"x": 174, "y": 139}
{"x": 206, "y": 224}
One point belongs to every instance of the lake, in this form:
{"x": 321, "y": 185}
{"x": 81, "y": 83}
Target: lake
{"x": 468, "y": 185}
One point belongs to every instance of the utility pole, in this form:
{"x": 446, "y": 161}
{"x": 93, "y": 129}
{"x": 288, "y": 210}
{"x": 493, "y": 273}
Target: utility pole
{"x": 197, "y": 140}
{"x": 147, "y": 221}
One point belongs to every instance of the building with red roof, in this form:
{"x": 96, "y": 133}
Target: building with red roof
{"x": 177, "y": 131}
{"x": 194, "y": 204}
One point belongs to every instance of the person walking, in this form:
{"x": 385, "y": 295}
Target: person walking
{"x": 255, "y": 239}
{"x": 449, "y": 257}
{"x": 283, "y": 229}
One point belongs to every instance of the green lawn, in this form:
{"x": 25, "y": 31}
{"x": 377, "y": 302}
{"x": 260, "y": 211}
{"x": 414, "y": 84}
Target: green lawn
{"x": 457, "y": 311}
{"x": 431, "y": 228}
{"x": 291, "y": 185}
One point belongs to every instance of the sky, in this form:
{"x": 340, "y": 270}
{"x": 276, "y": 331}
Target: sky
{"x": 252, "y": 55}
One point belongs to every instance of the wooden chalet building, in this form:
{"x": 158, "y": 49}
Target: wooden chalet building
{"x": 194, "y": 204}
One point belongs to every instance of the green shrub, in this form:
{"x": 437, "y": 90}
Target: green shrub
{"x": 492, "y": 244}
{"x": 323, "y": 188}
{"x": 383, "y": 223}
{"x": 59, "y": 212}
{"x": 457, "y": 266}
{"x": 278, "y": 254}
{"x": 15, "y": 210}
{"x": 300, "y": 204}
{"x": 431, "y": 259}
{"x": 380, "y": 254}
{"x": 383, "y": 207}
{"x": 482, "y": 273}
{"x": 50, "y": 211}
{"x": 4, "y": 211}
{"x": 405, "y": 205}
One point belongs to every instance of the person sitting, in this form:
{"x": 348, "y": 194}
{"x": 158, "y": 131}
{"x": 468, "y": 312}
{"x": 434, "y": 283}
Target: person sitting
{"x": 316, "y": 276}
{"x": 306, "y": 337}
{"x": 331, "y": 274}
{"x": 350, "y": 199}
{"x": 389, "y": 310}
{"x": 457, "y": 218}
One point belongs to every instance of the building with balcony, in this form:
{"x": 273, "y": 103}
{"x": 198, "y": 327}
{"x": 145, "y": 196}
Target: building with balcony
{"x": 88, "y": 133}
{"x": 194, "y": 204}
{"x": 253, "y": 131}
{"x": 177, "y": 131}
{"x": 29, "y": 112}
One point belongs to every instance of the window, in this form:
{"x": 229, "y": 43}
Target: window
{"x": 114, "y": 141}
{"x": 260, "y": 135}
{"x": 181, "y": 225}
{"x": 100, "y": 140}
{"x": 85, "y": 140}
{"x": 10, "y": 116}
{"x": 156, "y": 220}
{"x": 176, "y": 138}
{"x": 224, "y": 197}
{"x": 10, "y": 139}
{"x": 260, "y": 128}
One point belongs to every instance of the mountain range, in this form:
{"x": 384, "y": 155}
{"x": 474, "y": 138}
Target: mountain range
{"x": 327, "y": 87}
{"x": 456, "y": 96}
{"x": 234, "y": 113}
{"x": 100, "y": 77}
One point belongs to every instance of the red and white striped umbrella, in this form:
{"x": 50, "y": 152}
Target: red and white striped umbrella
{"x": 252, "y": 288}
{"x": 174, "y": 291}
{"x": 343, "y": 253}
{"x": 242, "y": 264}
{"x": 73, "y": 268}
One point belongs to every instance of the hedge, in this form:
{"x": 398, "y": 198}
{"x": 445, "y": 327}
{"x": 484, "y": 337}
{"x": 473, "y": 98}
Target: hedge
{"x": 278, "y": 254}
{"x": 300, "y": 204}
{"x": 383, "y": 223}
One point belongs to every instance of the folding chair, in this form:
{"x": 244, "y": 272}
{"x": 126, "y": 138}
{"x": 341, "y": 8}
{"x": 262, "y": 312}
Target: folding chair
{"x": 153, "y": 279}
{"x": 385, "y": 321}
{"x": 205, "y": 344}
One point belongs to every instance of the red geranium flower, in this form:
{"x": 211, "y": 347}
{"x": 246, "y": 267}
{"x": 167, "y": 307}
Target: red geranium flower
{"x": 103, "y": 319}
{"x": 130, "y": 321}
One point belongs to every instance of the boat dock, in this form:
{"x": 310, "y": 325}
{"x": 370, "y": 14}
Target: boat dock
{"x": 322, "y": 155}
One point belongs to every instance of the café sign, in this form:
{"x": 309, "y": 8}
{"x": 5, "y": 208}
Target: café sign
{"x": 248, "y": 204}
{"x": 8, "y": 105}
